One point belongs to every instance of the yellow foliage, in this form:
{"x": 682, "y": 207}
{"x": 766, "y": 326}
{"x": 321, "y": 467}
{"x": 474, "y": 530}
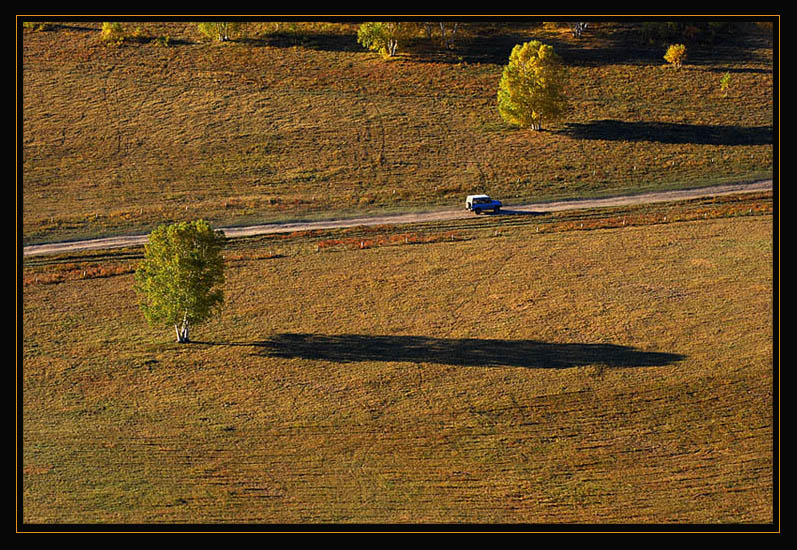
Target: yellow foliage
{"x": 676, "y": 55}
{"x": 532, "y": 86}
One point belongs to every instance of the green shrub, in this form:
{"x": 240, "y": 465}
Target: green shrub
{"x": 37, "y": 26}
{"x": 725, "y": 84}
{"x": 112, "y": 33}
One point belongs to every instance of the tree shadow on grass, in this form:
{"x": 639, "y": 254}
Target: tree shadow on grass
{"x": 664, "y": 132}
{"x": 470, "y": 352}
{"x": 308, "y": 39}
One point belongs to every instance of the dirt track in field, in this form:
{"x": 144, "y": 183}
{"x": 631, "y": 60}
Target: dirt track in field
{"x": 416, "y": 217}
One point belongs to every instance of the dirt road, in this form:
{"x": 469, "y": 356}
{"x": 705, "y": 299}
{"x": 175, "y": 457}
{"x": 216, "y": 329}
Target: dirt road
{"x": 414, "y": 217}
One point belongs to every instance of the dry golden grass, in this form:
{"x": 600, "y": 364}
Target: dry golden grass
{"x": 299, "y": 120}
{"x": 619, "y": 375}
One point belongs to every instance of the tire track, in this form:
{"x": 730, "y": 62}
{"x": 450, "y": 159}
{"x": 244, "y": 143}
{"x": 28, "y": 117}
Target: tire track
{"x": 415, "y": 217}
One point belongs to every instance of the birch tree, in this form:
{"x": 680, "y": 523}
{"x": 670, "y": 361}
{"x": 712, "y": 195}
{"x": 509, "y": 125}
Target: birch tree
{"x": 179, "y": 283}
{"x": 577, "y": 28}
{"x": 220, "y": 30}
{"x": 382, "y": 37}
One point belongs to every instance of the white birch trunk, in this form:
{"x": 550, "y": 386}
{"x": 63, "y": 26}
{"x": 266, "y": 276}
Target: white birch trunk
{"x": 182, "y": 331}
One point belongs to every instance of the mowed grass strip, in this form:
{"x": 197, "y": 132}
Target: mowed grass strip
{"x": 612, "y": 376}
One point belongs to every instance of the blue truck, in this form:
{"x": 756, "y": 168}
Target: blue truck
{"x": 479, "y": 203}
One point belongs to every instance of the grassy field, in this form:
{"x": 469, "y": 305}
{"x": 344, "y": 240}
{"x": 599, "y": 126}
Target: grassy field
{"x": 298, "y": 120}
{"x": 610, "y": 368}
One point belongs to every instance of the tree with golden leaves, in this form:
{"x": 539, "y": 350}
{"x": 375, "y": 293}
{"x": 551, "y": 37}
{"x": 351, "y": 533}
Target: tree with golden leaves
{"x": 531, "y": 89}
{"x": 676, "y": 55}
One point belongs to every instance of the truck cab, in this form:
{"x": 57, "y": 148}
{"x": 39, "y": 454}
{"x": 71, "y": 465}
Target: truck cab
{"x": 479, "y": 203}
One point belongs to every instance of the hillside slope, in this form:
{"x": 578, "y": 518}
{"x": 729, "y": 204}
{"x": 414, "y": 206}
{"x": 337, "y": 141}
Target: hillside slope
{"x": 619, "y": 375}
{"x": 299, "y": 120}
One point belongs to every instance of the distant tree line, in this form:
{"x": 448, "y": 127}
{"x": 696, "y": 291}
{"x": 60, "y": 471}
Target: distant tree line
{"x": 385, "y": 37}
{"x": 532, "y": 86}
{"x": 388, "y": 37}
{"x": 691, "y": 31}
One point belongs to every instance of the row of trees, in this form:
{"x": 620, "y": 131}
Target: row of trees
{"x": 384, "y": 37}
